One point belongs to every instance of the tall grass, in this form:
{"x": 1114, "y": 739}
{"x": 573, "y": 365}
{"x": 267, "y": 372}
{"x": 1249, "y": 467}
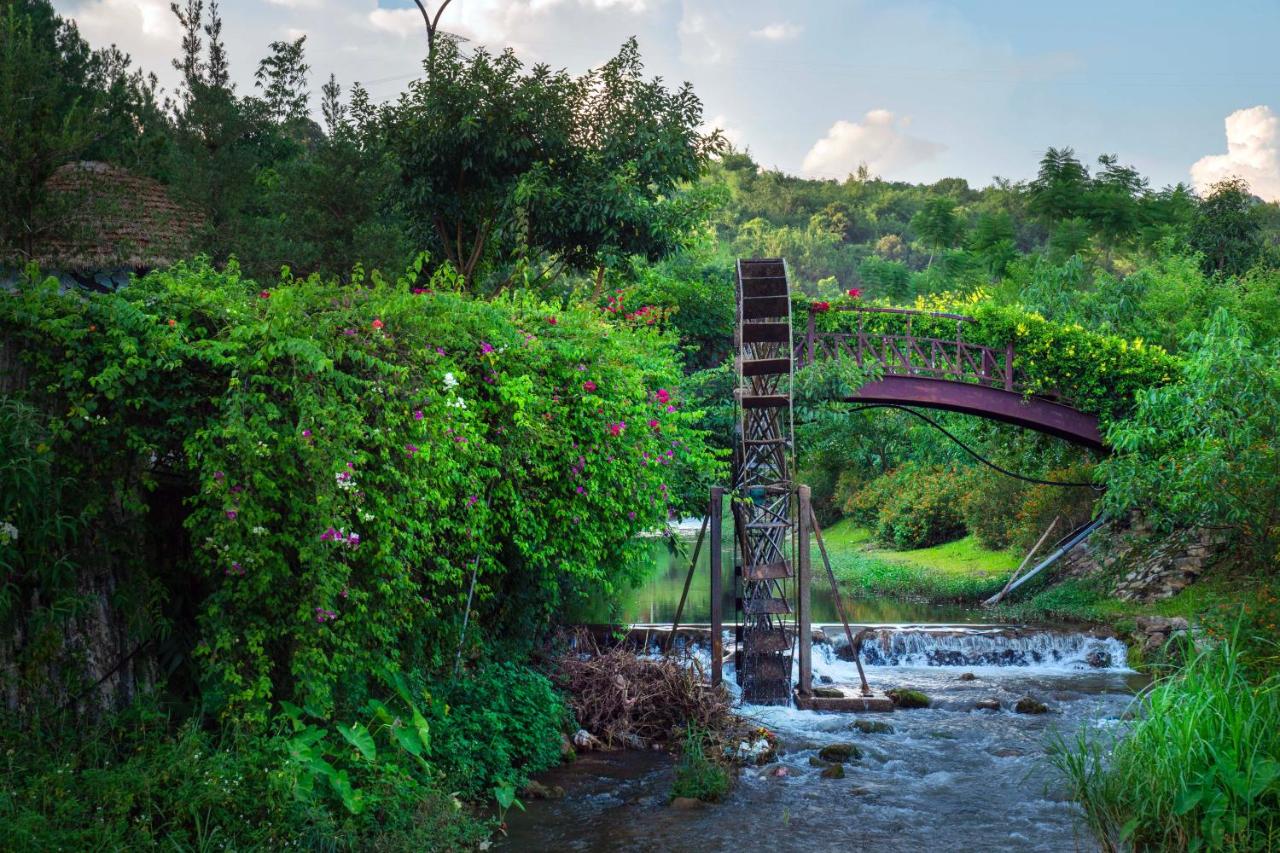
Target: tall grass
{"x": 1199, "y": 770}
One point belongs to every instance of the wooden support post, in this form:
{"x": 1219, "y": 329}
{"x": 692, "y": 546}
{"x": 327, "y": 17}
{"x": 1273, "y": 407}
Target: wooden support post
{"x": 854, "y": 645}
{"x": 809, "y": 336}
{"x": 715, "y": 519}
{"x": 688, "y": 579}
{"x": 804, "y": 574}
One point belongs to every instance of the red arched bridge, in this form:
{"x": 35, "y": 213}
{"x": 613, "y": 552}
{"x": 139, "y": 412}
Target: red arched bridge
{"x": 943, "y": 373}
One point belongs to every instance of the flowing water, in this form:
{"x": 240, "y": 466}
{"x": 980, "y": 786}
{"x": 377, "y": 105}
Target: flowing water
{"x": 948, "y": 777}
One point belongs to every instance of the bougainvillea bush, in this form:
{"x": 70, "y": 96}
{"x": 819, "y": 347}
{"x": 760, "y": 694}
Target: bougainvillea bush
{"x": 360, "y": 461}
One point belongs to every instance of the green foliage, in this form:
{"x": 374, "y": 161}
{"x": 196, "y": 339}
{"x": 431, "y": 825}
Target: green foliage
{"x": 912, "y": 507}
{"x": 1225, "y": 233}
{"x": 1205, "y": 450}
{"x": 499, "y": 163}
{"x": 449, "y": 436}
{"x": 495, "y": 725}
{"x": 134, "y": 782}
{"x": 698, "y": 776}
{"x": 1197, "y": 771}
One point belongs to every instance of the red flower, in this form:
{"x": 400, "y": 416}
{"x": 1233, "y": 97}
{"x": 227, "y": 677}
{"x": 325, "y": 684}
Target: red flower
{"x": 552, "y": 320}
{"x": 855, "y": 293}
{"x": 172, "y": 322}
{"x": 378, "y": 324}
{"x": 264, "y": 294}
{"x": 821, "y": 306}
{"x": 663, "y": 395}
{"x": 589, "y": 385}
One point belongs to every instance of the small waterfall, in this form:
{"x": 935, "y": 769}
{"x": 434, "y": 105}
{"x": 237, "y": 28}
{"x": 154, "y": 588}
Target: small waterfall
{"x": 962, "y": 647}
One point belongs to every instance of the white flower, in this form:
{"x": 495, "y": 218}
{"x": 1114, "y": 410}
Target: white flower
{"x": 457, "y": 403}
{"x": 259, "y": 530}
{"x": 366, "y": 516}
{"x": 8, "y": 533}
{"x": 450, "y": 381}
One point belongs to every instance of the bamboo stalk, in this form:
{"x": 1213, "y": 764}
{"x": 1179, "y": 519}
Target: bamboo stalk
{"x": 995, "y": 599}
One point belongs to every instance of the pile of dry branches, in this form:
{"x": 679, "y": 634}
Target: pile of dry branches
{"x": 627, "y": 700}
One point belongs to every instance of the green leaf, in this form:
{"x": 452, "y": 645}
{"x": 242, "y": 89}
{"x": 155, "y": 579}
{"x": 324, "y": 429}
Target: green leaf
{"x": 359, "y": 737}
{"x": 408, "y": 739}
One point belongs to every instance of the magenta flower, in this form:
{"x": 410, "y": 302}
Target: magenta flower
{"x": 439, "y": 350}
{"x": 306, "y": 433}
{"x": 354, "y": 539}
{"x": 410, "y": 449}
{"x": 589, "y": 386}
{"x": 417, "y": 414}
{"x": 653, "y": 423}
{"x": 472, "y": 500}
{"x": 616, "y": 429}
{"x": 218, "y": 475}
{"x": 486, "y": 347}
{"x": 670, "y": 409}
{"x": 632, "y": 515}
{"x": 663, "y": 395}
{"x": 582, "y": 490}
{"x": 231, "y": 514}
{"x": 330, "y": 535}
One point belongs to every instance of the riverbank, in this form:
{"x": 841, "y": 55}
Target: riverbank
{"x": 964, "y": 573}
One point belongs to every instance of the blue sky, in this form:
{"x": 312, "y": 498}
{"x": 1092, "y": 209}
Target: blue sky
{"x": 917, "y": 90}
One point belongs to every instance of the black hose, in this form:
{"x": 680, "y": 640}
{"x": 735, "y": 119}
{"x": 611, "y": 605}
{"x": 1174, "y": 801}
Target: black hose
{"x": 967, "y": 449}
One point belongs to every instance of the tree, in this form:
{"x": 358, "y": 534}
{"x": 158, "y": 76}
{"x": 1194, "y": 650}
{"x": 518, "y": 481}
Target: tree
{"x": 937, "y": 225}
{"x": 1113, "y": 201}
{"x": 1225, "y": 232}
{"x": 992, "y": 240}
{"x": 46, "y": 112}
{"x": 1205, "y": 450}
{"x": 1058, "y": 191}
{"x": 282, "y": 77}
{"x": 500, "y": 164}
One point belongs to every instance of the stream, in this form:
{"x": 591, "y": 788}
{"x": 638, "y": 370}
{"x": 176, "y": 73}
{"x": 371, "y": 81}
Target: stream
{"x": 949, "y": 777}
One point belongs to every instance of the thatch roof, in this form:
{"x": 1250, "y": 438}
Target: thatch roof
{"x": 98, "y": 217}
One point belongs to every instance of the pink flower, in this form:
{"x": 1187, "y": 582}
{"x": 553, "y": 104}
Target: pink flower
{"x": 821, "y": 307}
{"x": 472, "y": 500}
{"x": 377, "y": 324}
{"x": 632, "y": 515}
{"x": 589, "y": 386}
{"x": 417, "y": 414}
{"x": 552, "y": 320}
{"x": 486, "y": 347}
{"x": 581, "y": 490}
{"x": 439, "y": 350}
{"x": 354, "y": 539}
{"x": 855, "y": 293}
{"x": 418, "y": 291}
{"x": 670, "y": 409}
{"x": 306, "y": 433}
{"x": 653, "y": 423}
{"x": 218, "y": 475}
{"x": 264, "y": 294}
{"x": 616, "y": 429}
{"x": 231, "y": 514}
{"x": 330, "y": 535}
{"x": 410, "y": 449}
{"x": 663, "y": 395}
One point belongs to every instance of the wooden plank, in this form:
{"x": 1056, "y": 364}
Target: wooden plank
{"x": 766, "y": 366}
{"x": 767, "y": 571}
{"x": 759, "y": 606}
{"x": 765, "y": 401}
{"x": 766, "y": 333}
{"x": 759, "y": 307}
{"x": 755, "y": 288}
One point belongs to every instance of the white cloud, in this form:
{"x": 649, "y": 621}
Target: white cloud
{"x": 102, "y": 21}
{"x": 778, "y": 31}
{"x": 721, "y": 123}
{"x": 296, "y": 4}
{"x": 400, "y": 22}
{"x": 880, "y": 141}
{"x": 702, "y": 37}
{"x": 1253, "y": 153}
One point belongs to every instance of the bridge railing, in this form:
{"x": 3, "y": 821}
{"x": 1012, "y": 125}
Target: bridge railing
{"x": 904, "y": 353}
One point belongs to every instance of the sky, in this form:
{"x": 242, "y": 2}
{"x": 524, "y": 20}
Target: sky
{"x": 1184, "y": 91}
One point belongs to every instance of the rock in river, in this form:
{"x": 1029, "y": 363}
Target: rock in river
{"x": 872, "y": 727}
{"x": 1027, "y": 705}
{"x": 835, "y": 771}
{"x": 840, "y": 752}
{"x": 991, "y": 703}
{"x": 908, "y": 698}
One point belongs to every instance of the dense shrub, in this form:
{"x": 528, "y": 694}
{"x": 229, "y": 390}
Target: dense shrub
{"x": 912, "y": 507}
{"x": 496, "y": 725}
{"x": 134, "y": 783}
{"x": 990, "y": 507}
{"x": 1072, "y": 506}
{"x": 356, "y": 458}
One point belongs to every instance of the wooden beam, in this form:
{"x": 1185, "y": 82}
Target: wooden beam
{"x": 715, "y": 520}
{"x": 804, "y": 616}
{"x": 688, "y": 579}
{"x": 854, "y": 645}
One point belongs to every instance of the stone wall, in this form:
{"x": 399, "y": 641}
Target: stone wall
{"x": 1151, "y": 566}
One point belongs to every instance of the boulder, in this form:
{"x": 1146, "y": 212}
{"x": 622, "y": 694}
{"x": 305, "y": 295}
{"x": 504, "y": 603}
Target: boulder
{"x": 903, "y": 698}
{"x": 535, "y": 790}
{"x": 825, "y": 679}
{"x": 991, "y": 703}
{"x": 840, "y": 752}
{"x": 815, "y": 761}
{"x": 1098, "y": 658}
{"x": 872, "y": 727}
{"x": 828, "y": 692}
{"x": 968, "y": 676}
{"x": 835, "y": 771}
{"x": 684, "y": 803}
{"x": 583, "y": 739}
{"x": 1027, "y": 705}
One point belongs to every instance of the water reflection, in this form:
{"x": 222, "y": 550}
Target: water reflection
{"x": 656, "y": 598}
